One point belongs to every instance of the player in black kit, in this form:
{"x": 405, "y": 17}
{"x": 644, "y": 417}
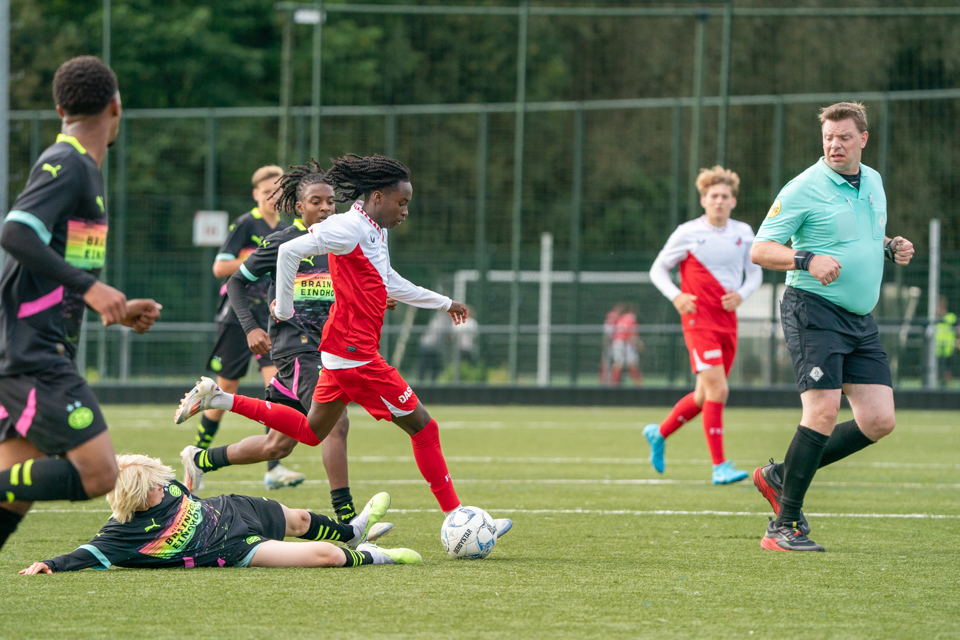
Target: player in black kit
{"x": 157, "y": 523}
{"x": 294, "y": 344}
{"x": 56, "y": 236}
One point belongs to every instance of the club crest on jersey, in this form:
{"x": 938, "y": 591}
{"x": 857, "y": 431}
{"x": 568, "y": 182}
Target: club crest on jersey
{"x": 373, "y": 238}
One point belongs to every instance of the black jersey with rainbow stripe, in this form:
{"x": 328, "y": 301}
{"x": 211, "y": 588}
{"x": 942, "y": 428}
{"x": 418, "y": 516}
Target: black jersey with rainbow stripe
{"x": 312, "y": 294}
{"x": 182, "y": 531}
{"x": 63, "y": 202}
{"x": 246, "y": 234}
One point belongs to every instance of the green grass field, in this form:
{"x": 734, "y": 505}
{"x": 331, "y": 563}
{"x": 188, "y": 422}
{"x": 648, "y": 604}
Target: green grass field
{"x": 602, "y": 545}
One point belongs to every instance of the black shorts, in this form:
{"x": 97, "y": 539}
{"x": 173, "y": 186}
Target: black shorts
{"x": 829, "y": 345}
{"x": 53, "y": 409}
{"x": 231, "y": 355}
{"x": 296, "y": 380}
{"x": 262, "y": 516}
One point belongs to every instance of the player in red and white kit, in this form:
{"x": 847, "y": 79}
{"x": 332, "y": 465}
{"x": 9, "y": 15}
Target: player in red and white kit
{"x": 625, "y": 347}
{"x": 716, "y": 276}
{"x": 353, "y": 370}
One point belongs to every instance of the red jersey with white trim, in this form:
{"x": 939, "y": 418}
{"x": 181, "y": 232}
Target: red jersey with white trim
{"x": 362, "y": 280}
{"x": 713, "y": 262}
{"x": 625, "y": 327}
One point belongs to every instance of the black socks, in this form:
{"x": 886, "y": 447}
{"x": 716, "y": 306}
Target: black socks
{"x": 343, "y": 504}
{"x": 845, "y": 440}
{"x": 325, "y": 528}
{"x": 357, "y": 558}
{"x": 211, "y": 460}
{"x": 42, "y": 479}
{"x": 205, "y": 432}
{"x": 799, "y": 466}
{"x": 9, "y": 521}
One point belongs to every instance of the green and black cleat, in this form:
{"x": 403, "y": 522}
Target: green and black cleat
{"x": 787, "y": 538}
{"x": 769, "y": 484}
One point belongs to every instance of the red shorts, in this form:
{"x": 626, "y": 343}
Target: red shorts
{"x": 377, "y": 387}
{"x": 710, "y": 348}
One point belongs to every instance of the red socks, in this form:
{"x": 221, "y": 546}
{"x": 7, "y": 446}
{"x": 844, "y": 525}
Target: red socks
{"x": 683, "y": 412}
{"x": 713, "y": 429}
{"x": 287, "y": 421}
{"x": 433, "y": 468}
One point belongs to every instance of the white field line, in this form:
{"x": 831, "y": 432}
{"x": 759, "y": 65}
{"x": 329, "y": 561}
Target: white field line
{"x": 627, "y": 461}
{"x": 625, "y": 512}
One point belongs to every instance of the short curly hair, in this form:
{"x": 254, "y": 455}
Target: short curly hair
{"x": 717, "y": 175}
{"x": 84, "y": 86}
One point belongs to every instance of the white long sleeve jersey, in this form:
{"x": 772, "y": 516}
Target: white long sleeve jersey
{"x": 713, "y": 261}
{"x": 362, "y": 280}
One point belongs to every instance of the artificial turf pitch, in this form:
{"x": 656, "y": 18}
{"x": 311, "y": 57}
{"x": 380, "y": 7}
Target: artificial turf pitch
{"x": 602, "y": 546}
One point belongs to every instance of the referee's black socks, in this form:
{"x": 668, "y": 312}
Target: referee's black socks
{"x": 799, "y": 466}
{"x": 845, "y": 440}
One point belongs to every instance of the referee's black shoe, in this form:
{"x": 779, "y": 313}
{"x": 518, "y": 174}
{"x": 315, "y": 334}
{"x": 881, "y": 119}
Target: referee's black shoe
{"x": 787, "y": 537}
{"x": 768, "y": 483}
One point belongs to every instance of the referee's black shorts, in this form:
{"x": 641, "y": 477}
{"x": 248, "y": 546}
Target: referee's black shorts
{"x": 829, "y": 345}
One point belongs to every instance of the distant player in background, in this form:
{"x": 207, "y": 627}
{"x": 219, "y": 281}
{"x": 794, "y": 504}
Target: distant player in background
{"x": 54, "y": 443}
{"x": 606, "y": 354}
{"x": 353, "y": 370}
{"x": 716, "y": 276}
{"x": 625, "y": 347}
{"x": 294, "y": 344}
{"x": 232, "y": 352}
{"x": 157, "y": 523}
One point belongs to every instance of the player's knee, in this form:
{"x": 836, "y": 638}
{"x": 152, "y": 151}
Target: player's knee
{"x": 341, "y": 429}
{"x": 100, "y": 483}
{"x": 298, "y": 522}
{"x": 327, "y": 555}
{"x": 882, "y": 426}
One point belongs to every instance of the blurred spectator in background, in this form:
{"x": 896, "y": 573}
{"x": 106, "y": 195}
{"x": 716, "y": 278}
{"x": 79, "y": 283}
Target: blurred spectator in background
{"x": 430, "y": 352}
{"x": 606, "y": 356}
{"x": 465, "y": 336}
{"x": 947, "y": 331}
{"x": 625, "y": 347}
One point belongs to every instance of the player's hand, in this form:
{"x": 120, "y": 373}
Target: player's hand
{"x": 731, "y": 301}
{"x": 684, "y": 304}
{"x": 108, "y": 302}
{"x": 826, "y": 269}
{"x": 35, "y": 568}
{"x": 259, "y": 341}
{"x": 902, "y": 251}
{"x": 141, "y": 314}
{"x": 391, "y": 303}
{"x": 458, "y": 312}
{"x": 273, "y": 306}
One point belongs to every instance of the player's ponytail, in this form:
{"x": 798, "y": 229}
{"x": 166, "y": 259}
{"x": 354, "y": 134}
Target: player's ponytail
{"x": 353, "y": 176}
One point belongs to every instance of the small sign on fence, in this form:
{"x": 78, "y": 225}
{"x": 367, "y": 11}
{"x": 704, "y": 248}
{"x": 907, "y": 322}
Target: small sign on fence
{"x": 210, "y": 228}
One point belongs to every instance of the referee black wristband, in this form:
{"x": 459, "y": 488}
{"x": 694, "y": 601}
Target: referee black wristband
{"x": 890, "y": 251}
{"x": 801, "y": 260}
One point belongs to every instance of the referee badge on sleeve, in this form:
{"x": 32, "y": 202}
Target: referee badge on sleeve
{"x": 774, "y": 209}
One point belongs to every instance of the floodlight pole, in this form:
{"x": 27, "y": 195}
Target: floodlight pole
{"x": 286, "y": 88}
{"x": 315, "y": 85}
{"x": 724, "y": 83}
{"x": 692, "y": 200}
{"x": 519, "y": 110}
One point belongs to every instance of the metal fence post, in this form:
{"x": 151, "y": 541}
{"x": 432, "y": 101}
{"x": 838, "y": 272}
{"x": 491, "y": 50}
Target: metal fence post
{"x": 390, "y": 150}
{"x": 724, "y": 83}
{"x": 546, "y": 304}
{"x": 286, "y": 86}
{"x": 884, "y": 139}
{"x": 776, "y": 181}
{"x": 209, "y": 203}
{"x": 519, "y": 108}
{"x": 700, "y": 35}
{"x": 317, "y": 77}
{"x": 933, "y": 297}
{"x": 480, "y": 248}
{"x": 675, "y": 177}
{"x": 34, "y": 138}
{"x": 119, "y": 262}
{"x": 576, "y": 214}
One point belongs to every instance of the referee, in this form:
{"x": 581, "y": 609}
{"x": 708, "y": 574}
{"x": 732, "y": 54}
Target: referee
{"x": 834, "y": 214}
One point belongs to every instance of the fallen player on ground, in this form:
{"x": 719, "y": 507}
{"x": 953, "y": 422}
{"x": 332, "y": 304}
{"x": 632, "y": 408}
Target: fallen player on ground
{"x": 157, "y": 523}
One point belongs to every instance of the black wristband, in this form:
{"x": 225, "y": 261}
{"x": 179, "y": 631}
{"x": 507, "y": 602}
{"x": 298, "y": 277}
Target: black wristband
{"x": 801, "y": 260}
{"x": 889, "y": 251}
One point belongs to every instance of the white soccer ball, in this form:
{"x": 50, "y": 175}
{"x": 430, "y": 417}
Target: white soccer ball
{"x": 468, "y": 533}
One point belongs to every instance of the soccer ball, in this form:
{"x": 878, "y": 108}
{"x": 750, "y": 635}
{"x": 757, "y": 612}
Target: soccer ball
{"x": 468, "y": 533}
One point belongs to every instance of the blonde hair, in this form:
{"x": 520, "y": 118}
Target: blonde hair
{"x": 717, "y": 175}
{"x": 138, "y": 474}
{"x": 265, "y": 173}
{"x": 844, "y": 110}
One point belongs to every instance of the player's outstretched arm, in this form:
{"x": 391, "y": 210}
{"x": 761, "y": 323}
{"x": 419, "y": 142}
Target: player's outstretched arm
{"x": 403, "y": 290}
{"x": 257, "y": 338}
{"x": 35, "y": 568}
{"x": 75, "y": 561}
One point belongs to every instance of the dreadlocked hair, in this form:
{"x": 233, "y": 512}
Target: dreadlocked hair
{"x": 353, "y": 176}
{"x": 294, "y": 182}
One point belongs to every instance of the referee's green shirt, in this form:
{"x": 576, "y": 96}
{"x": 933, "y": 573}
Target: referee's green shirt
{"x": 820, "y": 211}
